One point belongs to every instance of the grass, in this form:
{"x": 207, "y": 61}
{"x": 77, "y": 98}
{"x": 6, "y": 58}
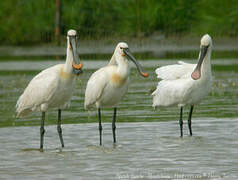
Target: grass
{"x": 33, "y": 22}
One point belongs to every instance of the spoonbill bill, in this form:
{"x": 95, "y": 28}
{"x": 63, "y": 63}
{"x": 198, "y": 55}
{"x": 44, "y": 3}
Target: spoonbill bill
{"x": 52, "y": 88}
{"x": 185, "y": 84}
{"x": 109, "y": 84}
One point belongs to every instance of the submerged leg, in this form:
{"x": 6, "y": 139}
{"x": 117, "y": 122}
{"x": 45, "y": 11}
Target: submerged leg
{"x": 59, "y": 129}
{"x": 190, "y": 120}
{"x": 42, "y": 131}
{"x": 181, "y": 122}
{"x": 114, "y": 125}
{"x": 100, "y": 125}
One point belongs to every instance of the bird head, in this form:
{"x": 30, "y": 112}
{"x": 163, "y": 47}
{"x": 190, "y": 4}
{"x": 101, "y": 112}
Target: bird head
{"x": 122, "y": 50}
{"x": 205, "y": 46}
{"x": 72, "y": 39}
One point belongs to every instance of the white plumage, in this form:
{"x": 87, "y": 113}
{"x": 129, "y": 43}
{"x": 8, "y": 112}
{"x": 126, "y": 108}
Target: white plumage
{"x": 52, "y": 88}
{"x": 185, "y": 84}
{"x": 108, "y": 85}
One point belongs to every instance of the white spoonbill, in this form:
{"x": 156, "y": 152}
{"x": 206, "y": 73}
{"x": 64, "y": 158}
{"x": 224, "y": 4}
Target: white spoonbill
{"x": 109, "y": 84}
{"x": 185, "y": 84}
{"x": 52, "y": 88}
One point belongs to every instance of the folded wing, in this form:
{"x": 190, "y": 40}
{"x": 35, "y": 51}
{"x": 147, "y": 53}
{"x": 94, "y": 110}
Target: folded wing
{"x": 176, "y": 71}
{"x": 95, "y": 87}
{"x": 40, "y": 90}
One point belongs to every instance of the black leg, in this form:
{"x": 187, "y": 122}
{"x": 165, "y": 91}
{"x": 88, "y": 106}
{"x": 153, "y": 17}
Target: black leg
{"x": 114, "y": 125}
{"x": 190, "y": 121}
{"x": 181, "y": 121}
{"x": 100, "y": 125}
{"x": 42, "y": 131}
{"x": 59, "y": 129}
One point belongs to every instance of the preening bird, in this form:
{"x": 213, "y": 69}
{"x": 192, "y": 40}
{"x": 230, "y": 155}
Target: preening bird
{"x": 185, "y": 84}
{"x": 109, "y": 84}
{"x": 52, "y": 88}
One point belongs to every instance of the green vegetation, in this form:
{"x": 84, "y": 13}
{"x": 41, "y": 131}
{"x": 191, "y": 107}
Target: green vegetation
{"x": 26, "y": 22}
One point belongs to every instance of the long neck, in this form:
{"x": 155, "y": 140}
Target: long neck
{"x": 69, "y": 60}
{"x": 206, "y": 66}
{"x": 123, "y": 67}
{"x": 113, "y": 60}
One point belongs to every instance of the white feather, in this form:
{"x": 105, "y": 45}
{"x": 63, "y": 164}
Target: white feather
{"x": 176, "y": 71}
{"x": 178, "y": 88}
{"x": 46, "y": 90}
{"x": 51, "y": 88}
{"x": 108, "y": 85}
{"x": 95, "y": 87}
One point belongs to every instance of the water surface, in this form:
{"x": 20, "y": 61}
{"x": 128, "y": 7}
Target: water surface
{"x": 144, "y": 150}
{"x": 136, "y": 105}
{"x": 148, "y": 148}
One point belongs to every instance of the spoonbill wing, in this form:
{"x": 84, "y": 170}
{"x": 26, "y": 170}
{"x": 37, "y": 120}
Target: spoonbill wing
{"x": 40, "y": 90}
{"x": 176, "y": 71}
{"x": 95, "y": 87}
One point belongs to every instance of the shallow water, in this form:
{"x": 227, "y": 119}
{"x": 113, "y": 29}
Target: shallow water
{"x": 148, "y": 149}
{"x": 144, "y": 150}
{"x": 135, "y": 106}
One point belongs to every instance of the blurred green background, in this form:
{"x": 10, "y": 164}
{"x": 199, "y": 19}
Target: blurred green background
{"x": 29, "y": 22}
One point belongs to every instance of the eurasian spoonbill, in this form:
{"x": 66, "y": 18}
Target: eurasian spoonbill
{"x": 52, "y": 88}
{"x": 185, "y": 84}
{"x": 109, "y": 84}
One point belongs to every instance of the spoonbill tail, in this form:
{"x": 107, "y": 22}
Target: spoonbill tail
{"x": 185, "y": 84}
{"x": 109, "y": 84}
{"x": 52, "y": 88}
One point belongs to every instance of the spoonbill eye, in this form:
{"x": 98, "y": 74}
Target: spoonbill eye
{"x": 121, "y": 47}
